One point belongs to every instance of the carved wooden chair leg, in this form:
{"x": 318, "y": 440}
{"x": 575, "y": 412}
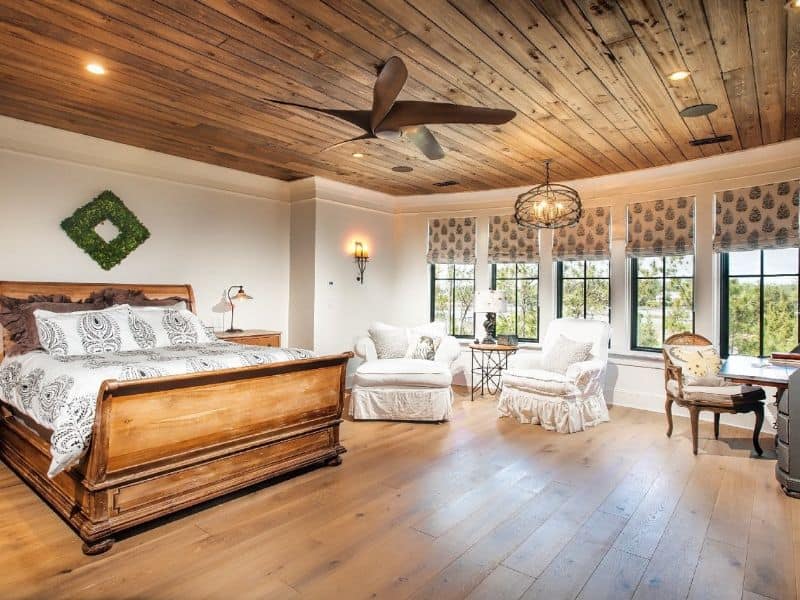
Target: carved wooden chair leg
{"x": 668, "y": 410}
{"x": 98, "y": 547}
{"x": 716, "y": 425}
{"x": 694, "y": 415}
{"x": 757, "y": 430}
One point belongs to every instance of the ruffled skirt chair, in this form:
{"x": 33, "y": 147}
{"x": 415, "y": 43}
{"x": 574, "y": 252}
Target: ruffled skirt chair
{"x": 570, "y": 401}
{"x": 396, "y": 383}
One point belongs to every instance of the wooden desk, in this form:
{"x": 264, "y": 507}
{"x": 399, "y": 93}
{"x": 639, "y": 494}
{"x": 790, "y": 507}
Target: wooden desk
{"x": 757, "y": 371}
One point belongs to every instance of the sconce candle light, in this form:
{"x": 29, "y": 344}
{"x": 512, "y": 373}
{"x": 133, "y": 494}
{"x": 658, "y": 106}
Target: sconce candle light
{"x": 361, "y": 256}
{"x": 240, "y": 295}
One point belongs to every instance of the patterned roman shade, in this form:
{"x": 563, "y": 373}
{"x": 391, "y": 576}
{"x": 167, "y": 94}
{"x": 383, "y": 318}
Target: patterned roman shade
{"x": 588, "y": 239}
{"x": 510, "y": 243}
{"x": 762, "y": 217}
{"x": 451, "y": 241}
{"x": 661, "y": 228}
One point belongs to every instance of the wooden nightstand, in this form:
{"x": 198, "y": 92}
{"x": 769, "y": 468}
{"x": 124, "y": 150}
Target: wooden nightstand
{"x": 252, "y": 337}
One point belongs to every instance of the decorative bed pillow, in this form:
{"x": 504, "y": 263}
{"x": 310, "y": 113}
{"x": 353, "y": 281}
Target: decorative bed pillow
{"x": 85, "y": 332}
{"x": 390, "y": 341}
{"x": 16, "y": 316}
{"x": 154, "y": 327}
{"x": 423, "y": 347}
{"x": 699, "y": 365}
{"x": 566, "y": 352}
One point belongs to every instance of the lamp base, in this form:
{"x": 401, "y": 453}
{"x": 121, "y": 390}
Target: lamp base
{"x": 234, "y": 330}
{"x": 490, "y": 327}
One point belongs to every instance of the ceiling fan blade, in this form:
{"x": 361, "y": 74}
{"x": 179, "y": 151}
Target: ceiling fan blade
{"x": 390, "y": 81}
{"x": 366, "y": 136}
{"x": 423, "y": 139}
{"x": 407, "y": 113}
{"x": 359, "y": 118}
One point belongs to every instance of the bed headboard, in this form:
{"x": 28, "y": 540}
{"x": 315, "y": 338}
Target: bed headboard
{"x": 80, "y": 291}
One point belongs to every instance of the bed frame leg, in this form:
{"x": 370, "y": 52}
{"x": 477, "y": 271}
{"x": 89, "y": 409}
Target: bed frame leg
{"x": 334, "y": 462}
{"x": 94, "y": 548}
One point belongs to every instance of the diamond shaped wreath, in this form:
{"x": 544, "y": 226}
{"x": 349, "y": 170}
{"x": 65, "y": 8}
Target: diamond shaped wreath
{"x": 80, "y": 227}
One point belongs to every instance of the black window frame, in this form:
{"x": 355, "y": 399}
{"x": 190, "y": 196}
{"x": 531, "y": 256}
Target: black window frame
{"x": 515, "y": 279}
{"x": 634, "y": 295}
{"x": 724, "y": 308}
{"x": 452, "y": 319}
{"x": 560, "y": 285}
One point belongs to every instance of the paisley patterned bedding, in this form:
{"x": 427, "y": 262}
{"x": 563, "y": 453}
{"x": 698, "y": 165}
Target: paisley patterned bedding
{"x": 60, "y": 392}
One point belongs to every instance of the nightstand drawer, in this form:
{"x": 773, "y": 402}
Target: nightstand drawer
{"x": 259, "y": 340}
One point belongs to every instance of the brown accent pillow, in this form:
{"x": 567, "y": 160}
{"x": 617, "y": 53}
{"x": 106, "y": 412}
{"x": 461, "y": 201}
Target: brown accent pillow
{"x": 16, "y": 315}
{"x": 112, "y": 296}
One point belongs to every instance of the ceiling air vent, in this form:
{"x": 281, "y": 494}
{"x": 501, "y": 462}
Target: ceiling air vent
{"x": 447, "y": 183}
{"x": 402, "y": 169}
{"x": 712, "y": 140}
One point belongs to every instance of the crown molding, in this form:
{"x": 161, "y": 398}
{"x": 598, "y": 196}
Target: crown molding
{"x": 337, "y": 192}
{"x": 724, "y": 171}
{"x": 41, "y": 141}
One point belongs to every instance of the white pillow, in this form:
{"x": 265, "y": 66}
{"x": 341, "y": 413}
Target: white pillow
{"x": 429, "y": 334}
{"x": 565, "y": 352}
{"x": 162, "y": 326}
{"x": 85, "y": 332}
{"x": 390, "y": 341}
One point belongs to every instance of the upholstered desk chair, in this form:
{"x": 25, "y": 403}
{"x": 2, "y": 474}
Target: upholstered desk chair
{"x": 721, "y": 398}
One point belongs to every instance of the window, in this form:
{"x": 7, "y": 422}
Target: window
{"x": 520, "y": 283}
{"x": 452, "y": 292}
{"x": 759, "y": 301}
{"x": 583, "y": 289}
{"x": 662, "y": 299}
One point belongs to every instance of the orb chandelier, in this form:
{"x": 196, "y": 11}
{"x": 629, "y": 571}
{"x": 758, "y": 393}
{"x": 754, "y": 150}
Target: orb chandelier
{"x": 548, "y": 206}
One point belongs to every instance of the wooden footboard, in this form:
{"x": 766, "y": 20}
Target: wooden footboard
{"x": 161, "y": 445}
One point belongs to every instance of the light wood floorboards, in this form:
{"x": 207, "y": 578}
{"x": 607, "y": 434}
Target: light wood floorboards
{"x": 477, "y": 508}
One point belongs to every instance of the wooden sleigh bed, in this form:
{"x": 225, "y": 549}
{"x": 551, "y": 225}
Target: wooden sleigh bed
{"x": 161, "y": 445}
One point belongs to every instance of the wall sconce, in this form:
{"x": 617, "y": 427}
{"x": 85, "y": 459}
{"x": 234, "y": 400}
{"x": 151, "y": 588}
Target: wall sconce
{"x": 361, "y": 256}
{"x": 240, "y": 295}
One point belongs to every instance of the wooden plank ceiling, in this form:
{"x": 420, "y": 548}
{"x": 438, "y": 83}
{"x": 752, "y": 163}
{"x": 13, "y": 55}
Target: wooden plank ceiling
{"x": 588, "y": 79}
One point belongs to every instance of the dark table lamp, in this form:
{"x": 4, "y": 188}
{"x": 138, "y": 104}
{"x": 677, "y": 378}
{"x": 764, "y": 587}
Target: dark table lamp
{"x": 240, "y": 295}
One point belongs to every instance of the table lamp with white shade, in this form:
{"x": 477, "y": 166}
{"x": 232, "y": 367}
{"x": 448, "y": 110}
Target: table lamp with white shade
{"x": 490, "y": 302}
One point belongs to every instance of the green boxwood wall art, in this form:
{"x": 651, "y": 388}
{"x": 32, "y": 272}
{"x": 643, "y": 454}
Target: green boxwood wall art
{"x": 80, "y": 227}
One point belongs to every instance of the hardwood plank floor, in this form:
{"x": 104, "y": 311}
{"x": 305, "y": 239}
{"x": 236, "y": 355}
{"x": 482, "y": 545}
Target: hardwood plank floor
{"x": 475, "y": 508}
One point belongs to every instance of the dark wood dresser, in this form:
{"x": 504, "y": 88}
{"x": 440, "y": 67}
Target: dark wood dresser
{"x": 787, "y": 470}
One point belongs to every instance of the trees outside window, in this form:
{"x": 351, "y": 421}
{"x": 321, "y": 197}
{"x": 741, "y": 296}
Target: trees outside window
{"x": 520, "y": 284}
{"x": 759, "y": 301}
{"x": 583, "y": 289}
{"x": 662, "y": 299}
{"x": 452, "y": 295}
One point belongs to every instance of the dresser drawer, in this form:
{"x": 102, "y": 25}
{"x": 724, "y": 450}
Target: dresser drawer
{"x": 783, "y": 403}
{"x": 273, "y": 341}
{"x": 783, "y": 456}
{"x": 783, "y": 428}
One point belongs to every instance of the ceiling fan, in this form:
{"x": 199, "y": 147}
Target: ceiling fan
{"x": 392, "y": 119}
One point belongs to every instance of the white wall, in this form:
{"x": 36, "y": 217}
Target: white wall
{"x": 635, "y": 378}
{"x": 344, "y": 307}
{"x": 209, "y": 235}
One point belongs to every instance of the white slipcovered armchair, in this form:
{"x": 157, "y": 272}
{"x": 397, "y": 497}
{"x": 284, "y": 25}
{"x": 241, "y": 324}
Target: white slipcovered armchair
{"x": 564, "y": 402}
{"x": 399, "y": 387}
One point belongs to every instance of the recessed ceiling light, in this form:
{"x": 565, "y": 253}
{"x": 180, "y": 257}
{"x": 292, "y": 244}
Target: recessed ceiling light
{"x": 792, "y": 4}
{"x": 96, "y": 68}
{"x": 678, "y": 75}
{"x": 358, "y": 155}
